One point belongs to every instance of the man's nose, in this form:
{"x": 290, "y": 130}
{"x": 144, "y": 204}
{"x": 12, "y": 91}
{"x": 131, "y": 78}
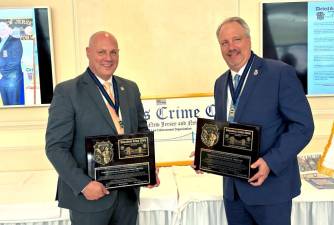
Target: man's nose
{"x": 231, "y": 46}
{"x": 108, "y": 57}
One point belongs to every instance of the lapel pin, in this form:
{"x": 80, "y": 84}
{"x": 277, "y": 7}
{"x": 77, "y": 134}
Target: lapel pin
{"x": 122, "y": 88}
{"x": 256, "y": 72}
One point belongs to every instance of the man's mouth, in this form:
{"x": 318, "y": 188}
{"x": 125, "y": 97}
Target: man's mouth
{"x": 107, "y": 66}
{"x": 233, "y": 53}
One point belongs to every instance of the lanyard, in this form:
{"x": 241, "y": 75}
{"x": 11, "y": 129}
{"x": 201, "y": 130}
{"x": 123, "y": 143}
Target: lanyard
{"x": 236, "y": 92}
{"x": 104, "y": 93}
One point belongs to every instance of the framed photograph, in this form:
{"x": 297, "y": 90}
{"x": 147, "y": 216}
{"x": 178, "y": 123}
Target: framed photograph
{"x": 26, "y": 57}
{"x": 300, "y": 34}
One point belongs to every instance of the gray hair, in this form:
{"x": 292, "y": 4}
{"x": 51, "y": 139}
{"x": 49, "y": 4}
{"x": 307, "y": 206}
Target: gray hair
{"x": 238, "y": 20}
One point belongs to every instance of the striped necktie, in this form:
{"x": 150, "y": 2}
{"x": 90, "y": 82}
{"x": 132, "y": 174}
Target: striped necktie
{"x": 113, "y": 114}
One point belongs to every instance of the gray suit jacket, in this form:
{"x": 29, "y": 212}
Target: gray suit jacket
{"x": 78, "y": 110}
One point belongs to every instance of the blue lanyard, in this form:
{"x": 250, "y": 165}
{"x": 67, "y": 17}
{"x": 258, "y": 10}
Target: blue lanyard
{"x": 104, "y": 93}
{"x": 236, "y": 92}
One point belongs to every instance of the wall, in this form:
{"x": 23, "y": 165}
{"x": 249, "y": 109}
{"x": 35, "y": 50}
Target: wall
{"x": 22, "y": 129}
{"x": 168, "y": 47}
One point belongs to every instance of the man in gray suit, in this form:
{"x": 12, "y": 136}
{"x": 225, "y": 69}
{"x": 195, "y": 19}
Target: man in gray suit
{"x": 79, "y": 109}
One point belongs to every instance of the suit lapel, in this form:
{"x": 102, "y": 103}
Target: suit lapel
{"x": 123, "y": 103}
{"x": 6, "y": 43}
{"x": 251, "y": 83}
{"x": 97, "y": 99}
{"x": 224, "y": 92}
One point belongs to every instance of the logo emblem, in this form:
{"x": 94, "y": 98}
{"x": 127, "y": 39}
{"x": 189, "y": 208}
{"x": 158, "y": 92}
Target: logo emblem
{"x": 209, "y": 135}
{"x": 103, "y": 152}
{"x": 320, "y": 15}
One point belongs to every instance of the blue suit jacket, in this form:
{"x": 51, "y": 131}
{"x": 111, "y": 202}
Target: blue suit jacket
{"x": 10, "y": 59}
{"x": 274, "y": 99}
{"x": 11, "y": 83}
{"x": 78, "y": 110}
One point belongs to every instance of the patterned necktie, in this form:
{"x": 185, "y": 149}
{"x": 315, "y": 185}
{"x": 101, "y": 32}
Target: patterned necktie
{"x": 113, "y": 114}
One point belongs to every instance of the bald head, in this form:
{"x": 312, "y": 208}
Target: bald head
{"x": 101, "y": 34}
{"x": 102, "y": 54}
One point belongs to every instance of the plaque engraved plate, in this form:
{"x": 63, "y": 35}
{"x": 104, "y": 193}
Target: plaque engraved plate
{"x": 122, "y": 160}
{"x": 226, "y": 149}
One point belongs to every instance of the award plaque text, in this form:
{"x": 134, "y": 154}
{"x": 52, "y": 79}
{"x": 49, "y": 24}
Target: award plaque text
{"x": 226, "y": 149}
{"x": 122, "y": 160}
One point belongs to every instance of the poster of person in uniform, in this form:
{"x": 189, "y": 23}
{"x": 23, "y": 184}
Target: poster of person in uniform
{"x": 19, "y": 71}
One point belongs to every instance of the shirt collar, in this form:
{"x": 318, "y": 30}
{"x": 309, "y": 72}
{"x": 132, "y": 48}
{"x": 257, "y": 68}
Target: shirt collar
{"x": 102, "y": 81}
{"x": 233, "y": 73}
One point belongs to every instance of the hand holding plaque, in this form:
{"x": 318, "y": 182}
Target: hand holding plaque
{"x": 226, "y": 149}
{"x": 122, "y": 160}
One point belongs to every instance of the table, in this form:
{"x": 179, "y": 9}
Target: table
{"x": 200, "y": 201}
{"x": 183, "y": 198}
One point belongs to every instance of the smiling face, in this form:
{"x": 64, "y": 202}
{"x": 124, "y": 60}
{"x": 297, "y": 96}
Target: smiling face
{"x": 102, "y": 54}
{"x": 235, "y": 45}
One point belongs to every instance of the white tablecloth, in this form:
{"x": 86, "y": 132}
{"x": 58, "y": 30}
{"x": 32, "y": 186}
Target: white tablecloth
{"x": 29, "y": 197}
{"x": 200, "y": 197}
{"x": 159, "y": 205}
{"x": 200, "y": 201}
{"x": 183, "y": 198}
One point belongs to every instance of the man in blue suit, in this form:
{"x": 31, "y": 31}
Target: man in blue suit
{"x": 272, "y": 97}
{"x": 79, "y": 109}
{"x": 11, "y": 75}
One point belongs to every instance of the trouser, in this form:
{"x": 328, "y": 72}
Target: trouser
{"x": 239, "y": 213}
{"x": 123, "y": 212}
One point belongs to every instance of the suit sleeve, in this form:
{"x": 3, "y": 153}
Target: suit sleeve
{"x": 296, "y": 114}
{"x": 59, "y": 140}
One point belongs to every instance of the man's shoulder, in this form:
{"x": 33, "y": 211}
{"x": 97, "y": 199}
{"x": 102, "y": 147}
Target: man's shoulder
{"x": 124, "y": 81}
{"x": 71, "y": 83}
{"x": 274, "y": 63}
{"x": 222, "y": 76}
{"x": 13, "y": 39}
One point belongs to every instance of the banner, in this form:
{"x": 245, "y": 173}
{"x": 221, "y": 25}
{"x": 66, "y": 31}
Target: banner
{"x": 173, "y": 121}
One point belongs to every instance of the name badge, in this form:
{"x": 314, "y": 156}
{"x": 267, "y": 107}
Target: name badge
{"x": 5, "y": 54}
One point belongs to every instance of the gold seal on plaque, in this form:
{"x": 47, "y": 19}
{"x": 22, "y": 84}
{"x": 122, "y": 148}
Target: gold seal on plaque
{"x": 210, "y": 134}
{"x": 103, "y": 152}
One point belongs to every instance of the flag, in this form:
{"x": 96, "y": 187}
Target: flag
{"x": 326, "y": 162}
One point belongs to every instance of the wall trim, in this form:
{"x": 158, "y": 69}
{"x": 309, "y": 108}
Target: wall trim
{"x": 26, "y": 125}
